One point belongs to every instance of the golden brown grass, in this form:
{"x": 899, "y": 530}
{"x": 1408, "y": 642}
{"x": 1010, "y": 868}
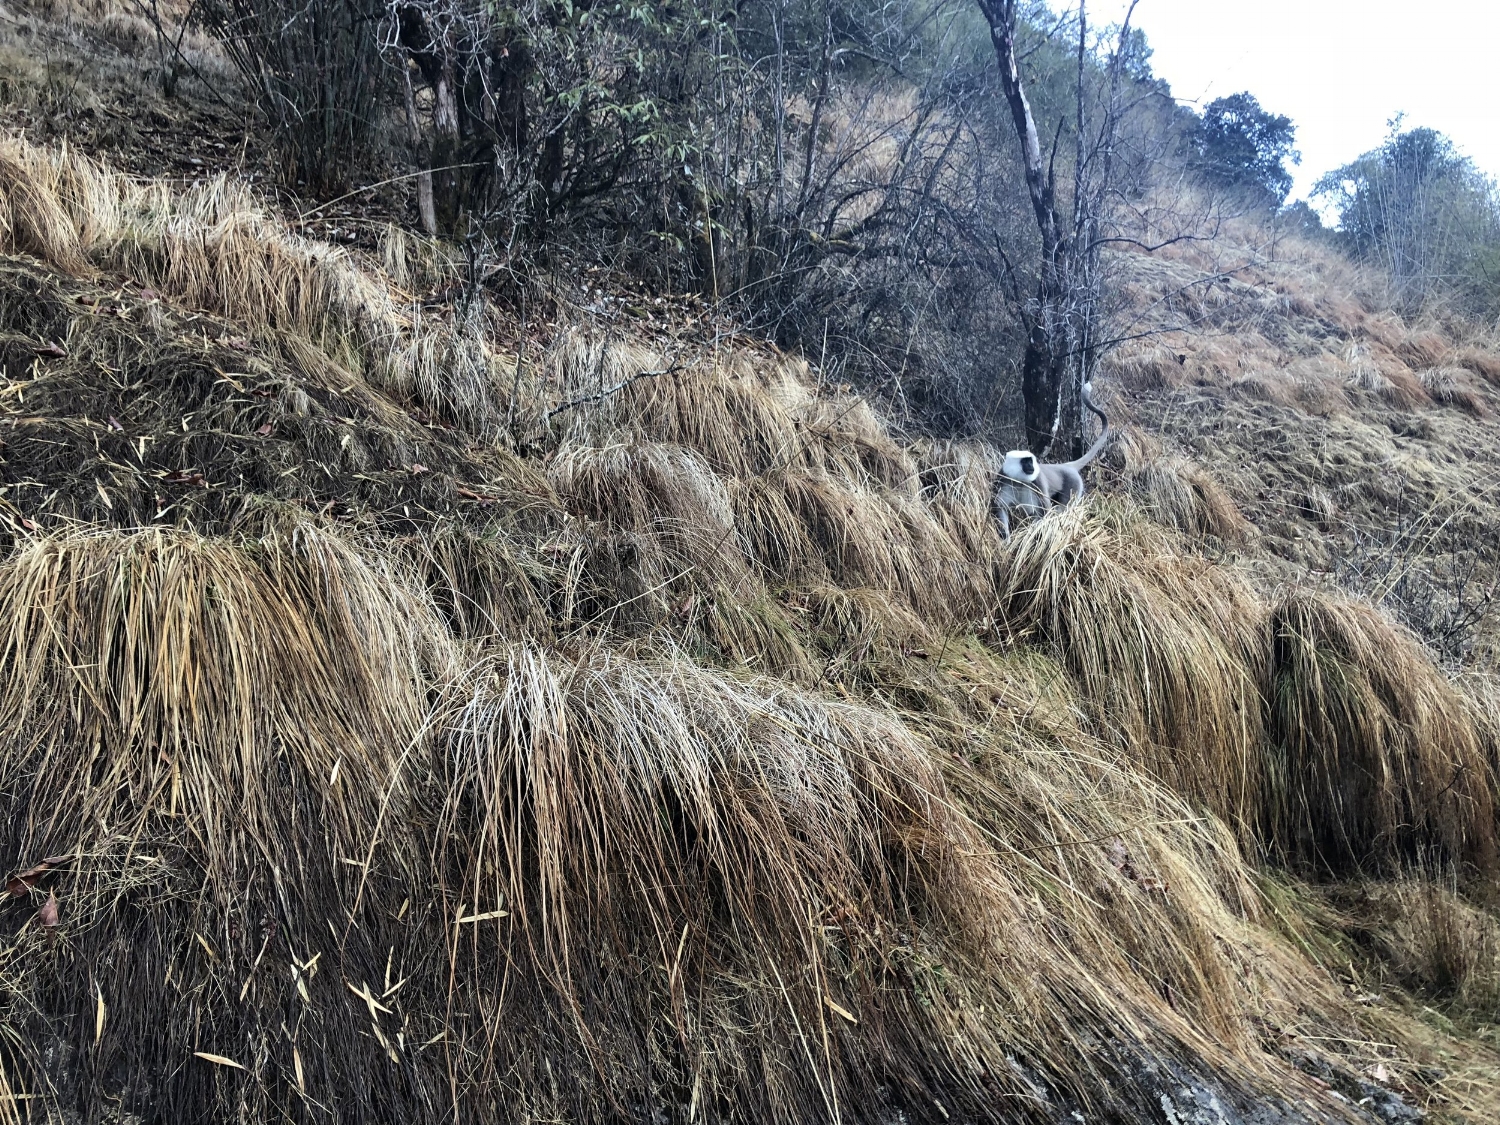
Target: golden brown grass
{"x": 1176, "y": 492}
{"x": 213, "y": 248}
{"x": 1481, "y": 362}
{"x": 711, "y": 758}
{"x": 1166, "y": 646}
{"x": 1376, "y": 751}
{"x": 259, "y": 770}
{"x": 1453, "y": 386}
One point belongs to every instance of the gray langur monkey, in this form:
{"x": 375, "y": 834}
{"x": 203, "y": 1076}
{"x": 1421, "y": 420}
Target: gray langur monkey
{"x": 1031, "y": 486}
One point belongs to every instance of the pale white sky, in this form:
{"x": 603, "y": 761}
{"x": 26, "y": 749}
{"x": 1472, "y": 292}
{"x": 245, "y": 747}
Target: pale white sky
{"x": 1340, "y": 69}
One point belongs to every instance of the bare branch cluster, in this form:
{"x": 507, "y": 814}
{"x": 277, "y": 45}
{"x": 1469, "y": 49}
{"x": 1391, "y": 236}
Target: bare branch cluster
{"x": 840, "y": 171}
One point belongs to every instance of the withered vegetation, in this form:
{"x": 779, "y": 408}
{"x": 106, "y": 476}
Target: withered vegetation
{"x": 405, "y": 721}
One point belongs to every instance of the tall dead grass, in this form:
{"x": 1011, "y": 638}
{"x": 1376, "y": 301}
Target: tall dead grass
{"x": 817, "y": 490}
{"x": 200, "y": 737}
{"x": 712, "y": 759}
{"x": 299, "y": 857}
{"x": 1178, "y": 493}
{"x": 213, "y": 247}
{"x": 1166, "y": 646}
{"x": 1375, "y": 754}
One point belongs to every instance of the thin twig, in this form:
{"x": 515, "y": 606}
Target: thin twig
{"x": 612, "y": 390}
{"x": 382, "y": 183}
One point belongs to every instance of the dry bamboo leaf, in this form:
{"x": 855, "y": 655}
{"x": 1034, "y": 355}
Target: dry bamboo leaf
{"x": 840, "y": 1010}
{"x": 98, "y": 1013}
{"x": 363, "y": 992}
{"x": 485, "y": 917}
{"x": 218, "y": 1060}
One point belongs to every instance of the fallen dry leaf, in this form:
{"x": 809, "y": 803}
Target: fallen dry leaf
{"x": 469, "y": 494}
{"x": 840, "y": 1010}
{"x": 484, "y": 917}
{"x": 22, "y": 881}
{"x": 47, "y": 913}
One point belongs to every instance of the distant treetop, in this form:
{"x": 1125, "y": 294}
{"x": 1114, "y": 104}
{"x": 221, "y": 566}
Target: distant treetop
{"x": 1237, "y": 144}
{"x": 1421, "y": 209}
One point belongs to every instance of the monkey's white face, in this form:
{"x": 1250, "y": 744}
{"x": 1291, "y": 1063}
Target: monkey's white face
{"x": 1020, "y": 464}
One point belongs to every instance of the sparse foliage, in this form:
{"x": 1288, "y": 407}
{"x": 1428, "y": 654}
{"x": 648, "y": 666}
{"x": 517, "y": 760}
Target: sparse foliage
{"x": 1062, "y": 318}
{"x": 1420, "y": 209}
{"x": 836, "y": 172}
{"x": 314, "y": 68}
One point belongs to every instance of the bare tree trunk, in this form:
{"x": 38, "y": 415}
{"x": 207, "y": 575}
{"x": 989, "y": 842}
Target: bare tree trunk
{"x": 445, "y": 144}
{"x": 1045, "y": 364}
{"x": 1062, "y": 330}
{"x": 424, "y": 179}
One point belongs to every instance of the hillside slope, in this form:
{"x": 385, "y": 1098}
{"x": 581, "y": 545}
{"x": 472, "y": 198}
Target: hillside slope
{"x": 1357, "y": 446}
{"x": 413, "y": 711}
{"x": 403, "y": 721}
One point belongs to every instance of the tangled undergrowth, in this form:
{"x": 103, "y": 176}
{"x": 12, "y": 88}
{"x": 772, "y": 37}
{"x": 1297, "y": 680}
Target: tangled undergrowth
{"x": 397, "y": 727}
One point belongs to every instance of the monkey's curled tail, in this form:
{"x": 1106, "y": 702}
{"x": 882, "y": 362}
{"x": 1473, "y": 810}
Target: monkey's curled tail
{"x": 1094, "y": 450}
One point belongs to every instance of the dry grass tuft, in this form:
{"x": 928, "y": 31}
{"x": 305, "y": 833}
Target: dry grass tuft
{"x": 1442, "y": 945}
{"x": 492, "y": 582}
{"x": 33, "y": 219}
{"x": 213, "y": 248}
{"x": 1376, "y": 755}
{"x": 1177, "y": 493}
{"x": 1423, "y": 349}
{"x": 1383, "y": 375}
{"x": 1156, "y": 368}
{"x": 1265, "y": 386}
{"x": 152, "y": 416}
{"x": 1485, "y": 364}
{"x": 747, "y": 412}
{"x": 202, "y": 736}
{"x": 822, "y": 873}
{"x": 665, "y": 491}
{"x": 1164, "y": 645}
{"x": 1453, "y": 386}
